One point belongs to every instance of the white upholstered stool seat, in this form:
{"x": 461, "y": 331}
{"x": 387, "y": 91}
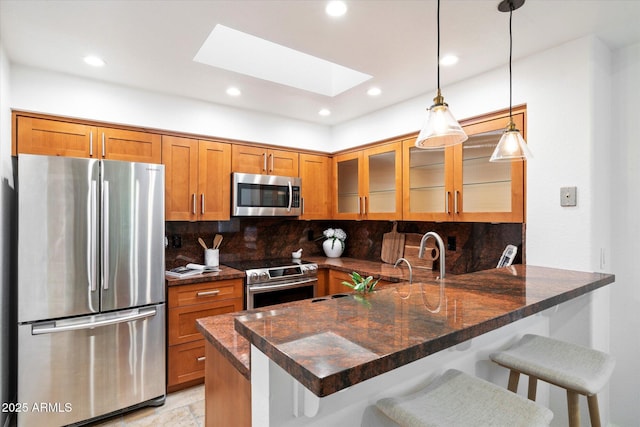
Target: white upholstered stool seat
{"x": 578, "y": 369}
{"x": 458, "y": 400}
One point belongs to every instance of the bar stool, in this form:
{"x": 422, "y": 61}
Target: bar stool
{"x": 578, "y": 369}
{"x": 460, "y": 400}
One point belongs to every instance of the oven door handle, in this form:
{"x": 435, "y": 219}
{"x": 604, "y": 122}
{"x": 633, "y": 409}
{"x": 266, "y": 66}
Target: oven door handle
{"x": 269, "y": 288}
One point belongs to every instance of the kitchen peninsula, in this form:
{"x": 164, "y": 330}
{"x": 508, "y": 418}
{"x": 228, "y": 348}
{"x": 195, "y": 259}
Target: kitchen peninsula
{"x": 324, "y": 361}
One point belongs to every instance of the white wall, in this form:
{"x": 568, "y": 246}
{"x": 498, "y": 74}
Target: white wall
{"x": 6, "y": 216}
{"x": 625, "y": 296}
{"x": 60, "y": 94}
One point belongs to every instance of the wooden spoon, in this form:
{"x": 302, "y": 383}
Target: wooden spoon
{"x": 217, "y": 240}
{"x": 202, "y": 243}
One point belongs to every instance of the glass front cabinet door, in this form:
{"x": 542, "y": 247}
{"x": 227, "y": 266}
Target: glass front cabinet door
{"x": 459, "y": 183}
{"x": 369, "y": 183}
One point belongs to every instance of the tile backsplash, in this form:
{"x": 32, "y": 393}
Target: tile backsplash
{"x": 478, "y": 246}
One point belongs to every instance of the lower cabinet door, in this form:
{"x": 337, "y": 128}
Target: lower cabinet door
{"x": 182, "y": 320}
{"x": 186, "y": 362}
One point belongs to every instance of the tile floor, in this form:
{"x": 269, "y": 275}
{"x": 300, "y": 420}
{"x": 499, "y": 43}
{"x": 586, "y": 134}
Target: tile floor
{"x": 184, "y": 408}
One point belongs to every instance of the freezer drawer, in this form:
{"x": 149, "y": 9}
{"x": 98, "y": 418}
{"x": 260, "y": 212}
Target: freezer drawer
{"x": 75, "y": 369}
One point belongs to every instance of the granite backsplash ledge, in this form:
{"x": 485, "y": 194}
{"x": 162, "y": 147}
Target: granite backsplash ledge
{"x": 478, "y": 246}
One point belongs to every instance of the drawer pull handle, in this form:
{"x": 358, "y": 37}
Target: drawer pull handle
{"x": 207, "y": 293}
{"x": 201, "y": 359}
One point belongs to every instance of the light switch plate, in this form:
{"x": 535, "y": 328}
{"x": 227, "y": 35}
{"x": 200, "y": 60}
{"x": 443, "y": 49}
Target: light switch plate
{"x": 568, "y": 196}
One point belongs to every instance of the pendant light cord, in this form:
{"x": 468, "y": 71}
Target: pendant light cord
{"x": 510, "y": 53}
{"x": 438, "y": 50}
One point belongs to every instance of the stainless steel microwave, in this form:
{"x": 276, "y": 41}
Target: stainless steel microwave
{"x": 265, "y": 195}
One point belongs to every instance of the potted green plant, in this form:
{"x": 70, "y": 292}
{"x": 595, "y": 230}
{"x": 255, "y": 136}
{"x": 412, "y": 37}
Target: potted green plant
{"x": 361, "y": 284}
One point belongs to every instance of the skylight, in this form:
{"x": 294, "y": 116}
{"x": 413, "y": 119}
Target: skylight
{"x": 243, "y": 53}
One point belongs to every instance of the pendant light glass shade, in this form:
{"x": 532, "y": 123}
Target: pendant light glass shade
{"x": 511, "y": 147}
{"x": 440, "y": 128}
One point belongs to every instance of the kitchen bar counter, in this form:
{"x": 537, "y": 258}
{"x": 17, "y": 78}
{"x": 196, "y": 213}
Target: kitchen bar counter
{"x": 334, "y": 343}
{"x": 220, "y": 330}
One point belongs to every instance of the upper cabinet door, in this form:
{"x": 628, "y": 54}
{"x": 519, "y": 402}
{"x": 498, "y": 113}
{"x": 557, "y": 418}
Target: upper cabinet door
{"x": 347, "y": 172}
{"x": 382, "y": 182}
{"x": 263, "y": 161}
{"x": 130, "y": 146}
{"x": 214, "y": 181}
{"x": 428, "y": 183}
{"x": 55, "y": 138}
{"x": 486, "y": 191}
{"x": 180, "y": 158}
{"x": 315, "y": 172}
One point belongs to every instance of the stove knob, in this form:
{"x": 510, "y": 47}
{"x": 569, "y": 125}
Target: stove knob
{"x": 264, "y": 276}
{"x": 253, "y": 277}
{"x": 312, "y": 268}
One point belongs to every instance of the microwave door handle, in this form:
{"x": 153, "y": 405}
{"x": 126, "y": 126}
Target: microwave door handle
{"x": 290, "y": 196}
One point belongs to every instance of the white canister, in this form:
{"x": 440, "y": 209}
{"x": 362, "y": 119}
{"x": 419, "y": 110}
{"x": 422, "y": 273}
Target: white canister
{"x": 212, "y": 257}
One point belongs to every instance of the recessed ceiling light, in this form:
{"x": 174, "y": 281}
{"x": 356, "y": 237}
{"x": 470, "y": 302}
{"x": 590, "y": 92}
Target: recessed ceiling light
{"x": 324, "y": 112}
{"x": 374, "y": 91}
{"x": 94, "y": 61}
{"x": 233, "y": 91}
{"x": 336, "y": 8}
{"x": 448, "y": 60}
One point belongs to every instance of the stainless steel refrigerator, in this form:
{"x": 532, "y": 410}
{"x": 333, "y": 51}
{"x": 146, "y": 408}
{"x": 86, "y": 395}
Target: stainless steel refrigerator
{"x": 91, "y": 294}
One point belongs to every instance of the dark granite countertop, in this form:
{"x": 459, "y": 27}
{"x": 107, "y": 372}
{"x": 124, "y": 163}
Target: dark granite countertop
{"x": 224, "y": 274}
{"x": 334, "y": 343}
{"x": 220, "y": 332}
{"x": 377, "y": 269}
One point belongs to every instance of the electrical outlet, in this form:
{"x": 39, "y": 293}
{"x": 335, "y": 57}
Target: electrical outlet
{"x": 451, "y": 243}
{"x": 176, "y": 241}
{"x": 568, "y": 196}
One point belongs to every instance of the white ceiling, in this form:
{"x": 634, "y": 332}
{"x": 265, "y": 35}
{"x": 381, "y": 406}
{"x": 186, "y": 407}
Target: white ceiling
{"x": 151, "y": 44}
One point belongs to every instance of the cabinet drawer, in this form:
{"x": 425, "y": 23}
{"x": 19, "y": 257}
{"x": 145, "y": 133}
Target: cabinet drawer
{"x": 186, "y": 362}
{"x": 180, "y": 296}
{"x": 182, "y": 320}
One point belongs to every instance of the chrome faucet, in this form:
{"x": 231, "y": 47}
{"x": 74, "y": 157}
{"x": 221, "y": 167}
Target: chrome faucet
{"x": 440, "y": 243}
{"x": 408, "y": 265}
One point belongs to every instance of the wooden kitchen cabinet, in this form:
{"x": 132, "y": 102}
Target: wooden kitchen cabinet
{"x": 368, "y": 183}
{"x": 459, "y": 183}
{"x": 54, "y": 138}
{"x": 129, "y": 145}
{"x": 260, "y": 160}
{"x": 315, "y": 173}
{"x": 197, "y": 175}
{"x": 186, "y": 346}
{"x": 64, "y": 138}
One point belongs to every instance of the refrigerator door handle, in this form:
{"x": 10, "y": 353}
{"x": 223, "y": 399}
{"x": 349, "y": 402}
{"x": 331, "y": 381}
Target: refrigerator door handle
{"x": 105, "y": 235}
{"x": 48, "y": 329}
{"x": 92, "y": 255}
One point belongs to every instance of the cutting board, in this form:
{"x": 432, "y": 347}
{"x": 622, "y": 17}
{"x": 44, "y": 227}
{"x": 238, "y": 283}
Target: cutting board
{"x": 412, "y": 248}
{"x": 392, "y": 245}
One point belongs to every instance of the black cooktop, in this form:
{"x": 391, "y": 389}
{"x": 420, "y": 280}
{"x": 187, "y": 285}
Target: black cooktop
{"x": 264, "y": 263}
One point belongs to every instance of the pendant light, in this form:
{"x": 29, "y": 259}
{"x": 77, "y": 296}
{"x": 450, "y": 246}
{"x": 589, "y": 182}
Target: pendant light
{"x": 511, "y": 146}
{"x": 440, "y": 128}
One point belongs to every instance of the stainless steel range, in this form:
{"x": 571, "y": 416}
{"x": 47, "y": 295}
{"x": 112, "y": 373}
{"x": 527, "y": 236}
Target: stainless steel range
{"x": 276, "y": 281}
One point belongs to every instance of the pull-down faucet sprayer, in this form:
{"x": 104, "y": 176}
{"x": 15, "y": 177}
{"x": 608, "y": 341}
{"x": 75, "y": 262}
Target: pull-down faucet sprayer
{"x": 440, "y": 243}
